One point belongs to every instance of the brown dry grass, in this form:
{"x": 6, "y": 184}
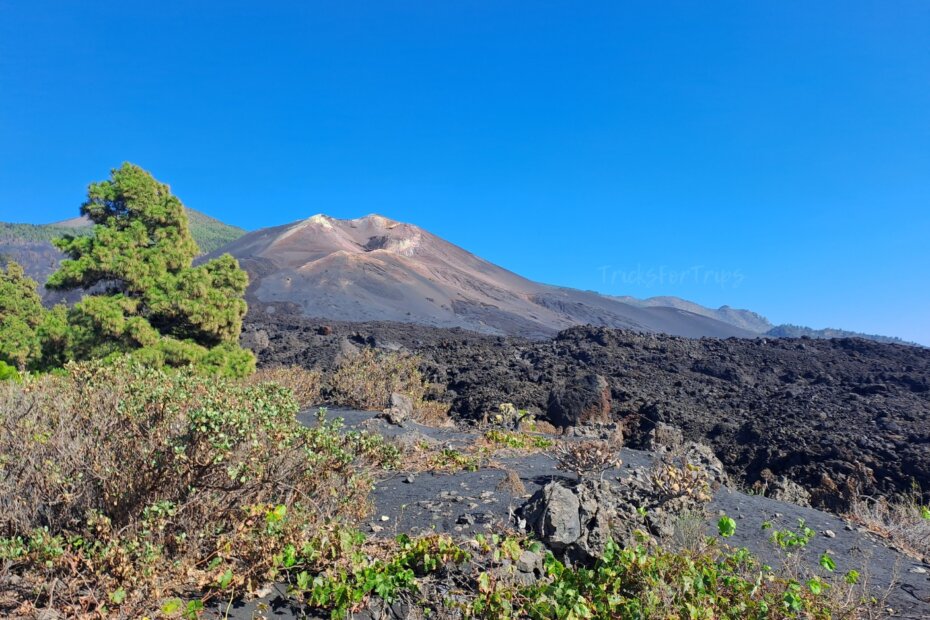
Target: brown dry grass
{"x": 433, "y": 413}
{"x": 306, "y": 384}
{"x": 903, "y": 523}
{"x": 367, "y": 379}
{"x": 541, "y": 426}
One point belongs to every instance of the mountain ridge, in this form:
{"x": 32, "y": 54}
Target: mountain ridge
{"x": 376, "y": 268}
{"x": 31, "y": 244}
{"x": 320, "y": 252}
{"x": 380, "y": 257}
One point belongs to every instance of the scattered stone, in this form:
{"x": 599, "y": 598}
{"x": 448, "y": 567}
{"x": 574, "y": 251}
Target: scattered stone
{"x": 918, "y": 570}
{"x": 785, "y": 490}
{"x": 553, "y": 515}
{"x": 410, "y": 441}
{"x": 576, "y": 519}
{"x": 528, "y": 568}
{"x": 264, "y": 591}
{"x": 385, "y": 518}
{"x": 829, "y": 533}
{"x": 256, "y": 341}
{"x": 347, "y": 350}
{"x": 410, "y": 479}
{"x": 529, "y": 561}
{"x": 664, "y": 436}
{"x": 465, "y": 519}
{"x": 399, "y": 411}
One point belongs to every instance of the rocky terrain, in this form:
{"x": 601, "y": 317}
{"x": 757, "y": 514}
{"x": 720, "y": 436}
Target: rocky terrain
{"x": 570, "y": 518}
{"x": 839, "y": 417}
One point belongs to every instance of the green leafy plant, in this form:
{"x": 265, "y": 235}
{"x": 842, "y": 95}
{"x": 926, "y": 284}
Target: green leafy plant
{"x": 645, "y": 581}
{"x": 9, "y": 373}
{"x": 791, "y": 539}
{"x": 518, "y": 440}
{"x": 340, "y": 590}
{"x": 451, "y": 459}
{"x": 726, "y": 526}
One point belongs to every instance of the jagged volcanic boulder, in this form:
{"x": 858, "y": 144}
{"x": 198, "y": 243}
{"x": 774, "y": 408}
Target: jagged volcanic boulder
{"x": 584, "y": 400}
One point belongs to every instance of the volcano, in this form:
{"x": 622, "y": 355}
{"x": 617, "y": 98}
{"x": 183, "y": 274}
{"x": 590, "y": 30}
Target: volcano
{"x": 376, "y": 269}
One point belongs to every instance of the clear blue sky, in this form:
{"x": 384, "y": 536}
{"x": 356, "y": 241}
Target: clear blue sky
{"x": 767, "y": 155}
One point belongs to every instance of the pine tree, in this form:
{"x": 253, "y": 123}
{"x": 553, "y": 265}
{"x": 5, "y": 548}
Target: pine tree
{"x": 21, "y": 314}
{"x": 146, "y": 297}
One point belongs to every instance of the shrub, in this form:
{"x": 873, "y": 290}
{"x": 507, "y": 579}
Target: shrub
{"x": 433, "y": 413}
{"x": 587, "y": 458}
{"x": 674, "y": 476}
{"x": 8, "y": 373}
{"x": 367, "y": 379}
{"x": 516, "y": 440}
{"x": 511, "y": 483}
{"x": 905, "y": 523}
{"x": 303, "y": 383}
{"x": 127, "y": 485}
{"x": 508, "y": 417}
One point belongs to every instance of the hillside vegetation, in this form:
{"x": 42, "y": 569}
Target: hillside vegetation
{"x": 209, "y": 233}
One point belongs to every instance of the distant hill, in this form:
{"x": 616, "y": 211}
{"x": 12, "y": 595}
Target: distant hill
{"x": 31, "y": 244}
{"x": 798, "y": 331}
{"x": 756, "y": 323}
{"x": 744, "y": 319}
